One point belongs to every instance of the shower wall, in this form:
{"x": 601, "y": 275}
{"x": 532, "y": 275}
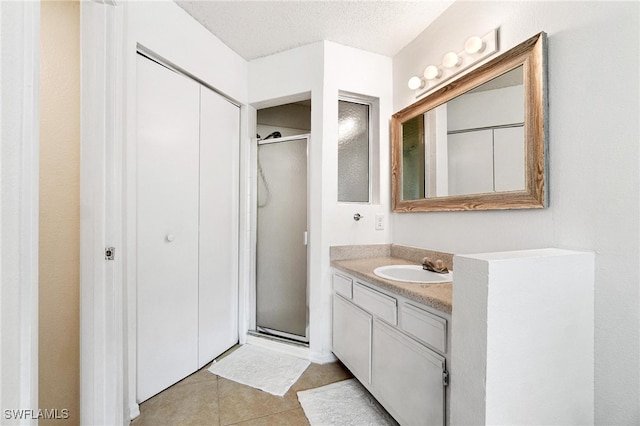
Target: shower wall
{"x": 288, "y": 119}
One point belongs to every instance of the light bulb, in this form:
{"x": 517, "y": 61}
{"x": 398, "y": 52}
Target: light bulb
{"x": 474, "y": 45}
{"x": 415, "y": 83}
{"x": 432, "y": 72}
{"x": 451, "y": 60}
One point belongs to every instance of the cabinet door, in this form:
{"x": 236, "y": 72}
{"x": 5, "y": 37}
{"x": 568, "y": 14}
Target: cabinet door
{"x": 407, "y": 377}
{"x": 352, "y": 337}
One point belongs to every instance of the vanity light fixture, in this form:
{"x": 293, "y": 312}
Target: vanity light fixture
{"x": 432, "y": 72}
{"x": 474, "y": 44}
{"x": 416, "y": 83}
{"x": 476, "y": 49}
{"x": 451, "y": 60}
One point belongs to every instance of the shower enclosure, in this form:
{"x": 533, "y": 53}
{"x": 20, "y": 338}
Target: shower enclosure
{"x": 281, "y": 253}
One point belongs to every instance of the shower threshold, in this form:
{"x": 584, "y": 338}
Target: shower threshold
{"x": 280, "y": 336}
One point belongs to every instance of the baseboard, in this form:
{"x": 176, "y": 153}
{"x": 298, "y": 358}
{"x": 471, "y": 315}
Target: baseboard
{"x": 294, "y": 349}
{"x": 134, "y": 411}
{"x": 320, "y": 358}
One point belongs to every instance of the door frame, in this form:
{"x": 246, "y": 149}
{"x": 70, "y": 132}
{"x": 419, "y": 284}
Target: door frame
{"x": 103, "y": 394}
{"x": 19, "y": 163}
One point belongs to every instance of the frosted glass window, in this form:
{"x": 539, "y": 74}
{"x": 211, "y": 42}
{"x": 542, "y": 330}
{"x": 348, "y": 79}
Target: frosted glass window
{"x": 353, "y": 152}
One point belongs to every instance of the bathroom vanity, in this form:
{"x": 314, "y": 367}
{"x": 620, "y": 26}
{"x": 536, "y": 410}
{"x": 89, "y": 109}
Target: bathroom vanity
{"x": 520, "y": 318}
{"x": 394, "y": 338}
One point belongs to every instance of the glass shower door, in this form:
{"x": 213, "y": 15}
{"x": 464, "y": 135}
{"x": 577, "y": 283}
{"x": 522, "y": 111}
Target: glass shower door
{"x": 281, "y": 277}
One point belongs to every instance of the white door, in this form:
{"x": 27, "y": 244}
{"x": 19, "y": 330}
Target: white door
{"x": 167, "y": 227}
{"x": 219, "y": 174}
{"x": 187, "y": 226}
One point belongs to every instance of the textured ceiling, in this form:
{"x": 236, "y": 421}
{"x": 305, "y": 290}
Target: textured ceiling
{"x": 259, "y": 28}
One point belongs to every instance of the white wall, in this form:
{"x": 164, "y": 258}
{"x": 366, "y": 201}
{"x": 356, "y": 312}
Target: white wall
{"x": 594, "y": 185}
{"x": 363, "y": 73}
{"x": 517, "y": 314}
{"x": 324, "y": 69}
{"x": 170, "y": 32}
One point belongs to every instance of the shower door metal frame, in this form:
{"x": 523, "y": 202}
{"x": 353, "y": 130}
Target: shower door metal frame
{"x": 254, "y": 328}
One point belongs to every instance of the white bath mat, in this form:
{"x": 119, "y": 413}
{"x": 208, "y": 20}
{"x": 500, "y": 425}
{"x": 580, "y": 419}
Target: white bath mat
{"x": 342, "y": 403}
{"x": 261, "y": 368}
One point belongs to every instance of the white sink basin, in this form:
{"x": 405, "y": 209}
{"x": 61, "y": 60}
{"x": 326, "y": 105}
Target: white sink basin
{"x": 412, "y": 274}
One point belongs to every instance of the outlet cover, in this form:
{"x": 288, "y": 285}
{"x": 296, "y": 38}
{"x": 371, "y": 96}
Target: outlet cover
{"x": 379, "y": 222}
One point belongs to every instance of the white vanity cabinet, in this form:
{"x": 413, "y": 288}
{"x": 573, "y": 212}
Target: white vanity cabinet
{"x": 407, "y": 377}
{"x": 395, "y": 347}
{"x": 352, "y": 347}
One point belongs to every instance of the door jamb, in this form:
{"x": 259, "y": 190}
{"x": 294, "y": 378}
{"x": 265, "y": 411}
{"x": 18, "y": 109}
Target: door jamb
{"x": 19, "y": 225}
{"x": 102, "y": 298}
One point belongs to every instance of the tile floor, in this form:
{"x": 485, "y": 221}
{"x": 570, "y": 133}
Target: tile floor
{"x": 205, "y": 399}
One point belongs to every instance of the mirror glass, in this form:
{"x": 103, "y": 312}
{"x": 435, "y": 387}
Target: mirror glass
{"x": 472, "y": 144}
{"x": 479, "y": 142}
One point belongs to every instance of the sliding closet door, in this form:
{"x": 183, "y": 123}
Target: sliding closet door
{"x": 167, "y": 227}
{"x": 218, "y": 303}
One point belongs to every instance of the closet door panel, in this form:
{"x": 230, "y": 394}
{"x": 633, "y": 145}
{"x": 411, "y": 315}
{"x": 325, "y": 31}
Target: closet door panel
{"x": 219, "y": 176}
{"x": 509, "y": 156}
{"x": 470, "y": 160}
{"x": 167, "y": 227}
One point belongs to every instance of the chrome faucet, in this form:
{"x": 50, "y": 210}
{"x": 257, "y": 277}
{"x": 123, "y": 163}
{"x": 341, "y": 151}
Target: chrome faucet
{"x": 437, "y": 266}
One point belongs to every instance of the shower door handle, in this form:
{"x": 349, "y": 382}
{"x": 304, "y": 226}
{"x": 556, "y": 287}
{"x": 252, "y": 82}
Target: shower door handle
{"x": 306, "y": 238}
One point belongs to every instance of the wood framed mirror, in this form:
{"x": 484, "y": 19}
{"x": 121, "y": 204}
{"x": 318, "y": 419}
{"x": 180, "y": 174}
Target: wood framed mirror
{"x": 478, "y": 143}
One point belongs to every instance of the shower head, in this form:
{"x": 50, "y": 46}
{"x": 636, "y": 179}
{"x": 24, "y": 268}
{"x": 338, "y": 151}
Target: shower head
{"x": 274, "y": 135}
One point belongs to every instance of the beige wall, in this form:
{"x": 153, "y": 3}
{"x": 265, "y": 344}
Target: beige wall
{"x": 59, "y": 324}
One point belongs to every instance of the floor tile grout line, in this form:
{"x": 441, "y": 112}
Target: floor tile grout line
{"x": 266, "y": 415}
{"x": 286, "y": 411}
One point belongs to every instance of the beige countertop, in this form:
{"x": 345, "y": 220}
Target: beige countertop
{"x": 437, "y": 296}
